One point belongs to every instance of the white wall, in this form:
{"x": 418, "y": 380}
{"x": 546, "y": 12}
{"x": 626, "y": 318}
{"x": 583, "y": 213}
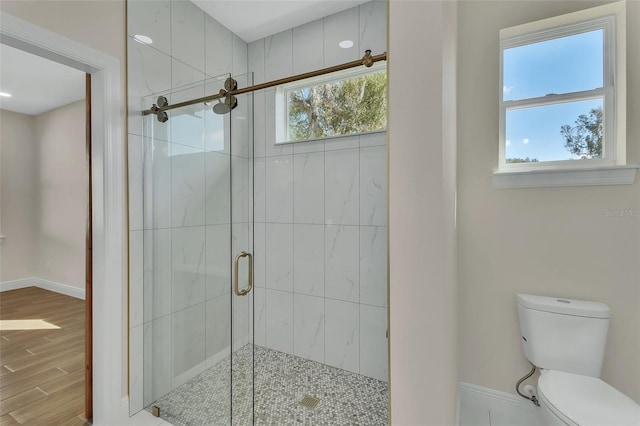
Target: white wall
{"x": 544, "y": 241}
{"x": 62, "y": 194}
{"x": 321, "y": 211}
{"x": 422, "y": 176}
{"x": 45, "y": 186}
{"x": 18, "y": 153}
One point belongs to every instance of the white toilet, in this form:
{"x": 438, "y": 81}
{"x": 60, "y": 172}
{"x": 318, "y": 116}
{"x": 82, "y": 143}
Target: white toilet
{"x": 566, "y": 338}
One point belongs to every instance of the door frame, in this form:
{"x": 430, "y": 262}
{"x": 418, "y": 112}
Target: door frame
{"x": 108, "y": 169}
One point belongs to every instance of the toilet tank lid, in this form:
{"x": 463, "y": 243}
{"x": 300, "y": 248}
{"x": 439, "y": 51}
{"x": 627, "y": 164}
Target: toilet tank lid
{"x": 560, "y": 305}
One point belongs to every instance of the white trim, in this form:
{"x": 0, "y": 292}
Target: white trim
{"x": 496, "y": 401}
{"x": 612, "y": 175}
{"x": 108, "y": 175}
{"x": 66, "y": 289}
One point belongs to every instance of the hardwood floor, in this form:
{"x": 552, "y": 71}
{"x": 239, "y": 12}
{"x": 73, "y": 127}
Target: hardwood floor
{"x": 41, "y": 358}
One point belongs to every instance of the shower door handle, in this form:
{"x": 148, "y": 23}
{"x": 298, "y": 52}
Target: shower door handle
{"x": 244, "y": 291}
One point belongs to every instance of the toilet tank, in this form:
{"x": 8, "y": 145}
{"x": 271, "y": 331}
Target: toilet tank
{"x": 563, "y": 334}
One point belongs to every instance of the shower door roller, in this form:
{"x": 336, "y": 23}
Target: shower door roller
{"x": 244, "y": 291}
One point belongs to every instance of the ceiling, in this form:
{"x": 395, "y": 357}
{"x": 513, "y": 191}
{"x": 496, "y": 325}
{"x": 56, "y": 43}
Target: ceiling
{"x": 254, "y": 19}
{"x": 36, "y": 84}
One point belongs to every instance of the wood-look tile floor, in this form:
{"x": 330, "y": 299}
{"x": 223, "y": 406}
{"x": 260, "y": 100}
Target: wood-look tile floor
{"x": 41, "y": 358}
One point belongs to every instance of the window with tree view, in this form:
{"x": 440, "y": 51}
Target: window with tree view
{"x": 340, "y": 104}
{"x": 557, "y": 96}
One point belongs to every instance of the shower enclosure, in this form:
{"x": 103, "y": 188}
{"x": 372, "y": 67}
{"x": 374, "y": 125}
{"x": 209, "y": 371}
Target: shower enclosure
{"x": 198, "y": 262}
{"x": 258, "y": 279}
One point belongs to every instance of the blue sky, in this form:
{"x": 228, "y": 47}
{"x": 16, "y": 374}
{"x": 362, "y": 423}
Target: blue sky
{"x": 568, "y": 64}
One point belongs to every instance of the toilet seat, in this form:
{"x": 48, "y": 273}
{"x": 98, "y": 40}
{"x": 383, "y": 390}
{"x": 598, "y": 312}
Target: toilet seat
{"x": 586, "y": 401}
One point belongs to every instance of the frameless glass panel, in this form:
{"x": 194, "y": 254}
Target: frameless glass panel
{"x": 562, "y": 65}
{"x": 565, "y": 131}
{"x": 241, "y": 117}
{"x": 187, "y": 260}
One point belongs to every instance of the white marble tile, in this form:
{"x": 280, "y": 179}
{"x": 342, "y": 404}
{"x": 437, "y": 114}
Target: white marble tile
{"x": 271, "y": 148}
{"x": 136, "y": 275}
{"x": 279, "y": 256}
{"x": 188, "y": 266}
{"x": 157, "y": 274}
{"x": 240, "y": 56}
{"x": 187, "y": 186}
{"x": 260, "y": 316}
{"x": 240, "y": 189}
{"x": 218, "y": 47}
{"x": 373, "y": 139}
{"x": 183, "y": 75}
{"x": 151, "y": 19}
{"x": 373, "y": 342}
{"x": 308, "y": 259}
{"x": 157, "y": 184}
{"x": 218, "y": 260}
{"x": 342, "y": 335}
{"x": 135, "y": 162}
{"x": 158, "y": 336}
{"x": 373, "y": 27}
{"x": 279, "y": 189}
{"x": 259, "y": 124}
{"x": 308, "y": 47}
{"x": 308, "y": 188}
{"x": 259, "y": 255}
{"x": 373, "y": 186}
{"x": 256, "y": 60}
{"x": 308, "y": 146}
{"x": 189, "y": 343}
{"x": 338, "y": 27}
{"x": 260, "y": 190}
{"x": 149, "y": 71}
{"x": 240, "y": 322}
{"x": 241, "y": 137}
{"x": 187, "y": 33}
{"x": 278, "y": 56}
{"x": 217, "y": 128}
{"x": 308, "y": 337}
{"x": 343, "y": 142}
{"x": 341, "y": 263}
{"x": 218, "y": 327}
{"x": 136, "y": 369}
{"x": 341, "y": 194}
{"x": 218, "y": 188}
{"x": 373, "y": 265}
{"x": 187, "y": 124}
{"x": 279, "y": 320}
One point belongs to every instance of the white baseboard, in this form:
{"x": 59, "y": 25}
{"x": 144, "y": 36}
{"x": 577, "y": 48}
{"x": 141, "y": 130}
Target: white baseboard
{"x": 78, "y": 293}
{"x": 474, "y": 398}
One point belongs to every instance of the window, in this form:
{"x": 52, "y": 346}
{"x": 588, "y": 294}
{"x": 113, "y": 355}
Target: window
{"x": 562, "y": 94}
{"x": 337, "y": 104}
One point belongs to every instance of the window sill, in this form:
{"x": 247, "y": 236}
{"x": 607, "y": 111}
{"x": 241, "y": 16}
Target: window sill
{"x": 609, "y": 175}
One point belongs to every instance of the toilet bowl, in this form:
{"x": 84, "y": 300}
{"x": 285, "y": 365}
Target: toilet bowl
{"x": 565, "y": 339}
{"x": 577, "y": 400}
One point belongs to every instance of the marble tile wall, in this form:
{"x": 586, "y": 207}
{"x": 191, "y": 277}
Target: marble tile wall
{"x": 321, "y": 211}
{"x": 182, "y": 228}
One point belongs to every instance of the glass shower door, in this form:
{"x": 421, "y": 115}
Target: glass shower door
{"x": 192, "y": 231}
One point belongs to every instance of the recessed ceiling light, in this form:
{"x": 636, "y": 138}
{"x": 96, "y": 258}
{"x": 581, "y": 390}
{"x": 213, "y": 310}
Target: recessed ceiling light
{"x": 5, "y": 95}
{"x": 346, "y": 44}
{"x": 143, "y": 39}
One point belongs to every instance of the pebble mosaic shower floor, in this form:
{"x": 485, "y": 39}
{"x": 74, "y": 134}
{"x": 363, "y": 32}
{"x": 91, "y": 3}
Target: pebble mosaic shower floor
{"x": 281, "y": 382}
